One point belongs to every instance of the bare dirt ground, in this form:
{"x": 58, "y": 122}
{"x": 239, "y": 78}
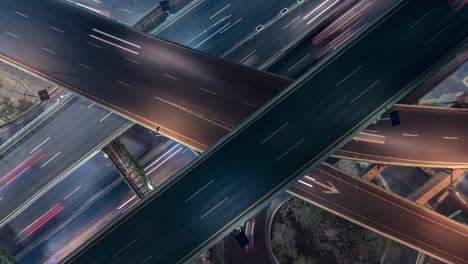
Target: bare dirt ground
{"x": 18, "y": 92}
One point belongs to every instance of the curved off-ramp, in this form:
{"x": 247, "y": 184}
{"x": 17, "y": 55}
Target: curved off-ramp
{"x": 426, "y": 136}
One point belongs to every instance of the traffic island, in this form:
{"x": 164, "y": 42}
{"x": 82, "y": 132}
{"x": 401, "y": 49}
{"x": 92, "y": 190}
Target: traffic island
{"x": 303, "y": 233}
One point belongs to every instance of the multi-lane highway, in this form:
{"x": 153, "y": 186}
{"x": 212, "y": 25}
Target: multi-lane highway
{"x": 51, "y": 149}
{"x": 281, "y": 144}
{"x": 53, "y": 247}
{"x": 327, "y": 39}
{"x": 215, "y": 26}
{"x": 262, "y": 48}
{"x": 66, "y": 199}
{"x": 184, "y": 94}
{"x": 416, "y": 226}
{"x": 426, "y": 137}
{"x": 124, "y": 11}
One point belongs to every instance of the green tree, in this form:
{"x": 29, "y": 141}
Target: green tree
{"x": 5, "y": 257}
{"x": 6, "y": 107}
{"x": 306, "y": 215}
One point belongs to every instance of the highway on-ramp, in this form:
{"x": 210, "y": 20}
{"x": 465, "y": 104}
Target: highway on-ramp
{"x": 426, "y": 137}
{"x": 293, "y": 133}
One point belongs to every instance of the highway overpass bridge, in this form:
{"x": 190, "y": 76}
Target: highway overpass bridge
{"x": 279, "y": 143}
{"x": 179, "y": 92}
{"x": 427, "y": 137}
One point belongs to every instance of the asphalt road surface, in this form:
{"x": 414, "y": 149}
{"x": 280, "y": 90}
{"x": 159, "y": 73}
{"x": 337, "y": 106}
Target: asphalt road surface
{"x": 426, "y": 137}
{"x": 385, "y": 213}
{"x": 184, "y": 94}
{"x": 51, "y": 150}
{"x": 281, "y": 144}
{"x": 63, "y": 241}
{"x": 215, "y": 26}
{"x": 124, "y": 11}
{"x": 65, "y": 200}
{"x": 261, "y": 48}
{"x": 324, "y": 41}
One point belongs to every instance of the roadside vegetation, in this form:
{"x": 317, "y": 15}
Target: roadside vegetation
{"x": 18, "y": 92}
{"x": 303, "y": 234}
{"x": 5, "y": 257}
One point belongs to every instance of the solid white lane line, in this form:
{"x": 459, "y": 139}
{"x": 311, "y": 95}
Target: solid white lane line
{"x": 365, "y": 91}
{"x": 95, "y": 45}
{"x": 91, "y": 105}
{"x": 145, "y": 260}
{"x": 419, "y": 20}
{"x": 11, "y": 34}
{"x": 48, "y": 50}
{"x": 212, "y": 35}
{"x": 21, "y": 14}
{"x": 84, "y": 227}
{"x": 124, "y": 204}
{"x": 197, "y": 192}
{"x": 116, "y": 38}
{"x": 87, "y": 7}
{"x": 315, "y": 9}
{"x": 113, "y": 44}
{"x": 222, "y": 9}
{"x": 162, "y": 156}
{"x": 66, "y": 197}
{"x": 436, "y": 35}
{"x": 349, "y": 75}
{"x": 126, "y": 10}
{"x": 452, "y": 138}
{"x": 123, "y": 83}
{"x": 409, "y": 135}
{"x": 230, "y": 26}
{"x": 289, "y": 150}
{"x": 247, "y": 104}
{"x": 57, "y": 29}
{"x": 170, "y": 76}
{"x": 297, "y": 63}
{"x": 124, "y": 248}
{"x": 208, "y": 91}
{"x": 47, "y": 162}
{"x": 305, "y": 183}
{"x": 38, "y": 146}
{"x": 164, "y": 161}
{"x": 248, "y": 56}
{"x": 84, "y": 66}
{"x": 104, "y": 118}
{"x": 325, "y": 10}
{"x": 134, "y": 61}
{"x": 212, "y": 209}
{"x": 206, "y": 30}
{"x": 291, "y": 22}
{"x": 274, "y": 133}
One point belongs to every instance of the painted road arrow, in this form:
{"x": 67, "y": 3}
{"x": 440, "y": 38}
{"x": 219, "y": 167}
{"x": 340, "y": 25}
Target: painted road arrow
{"x": 330, "y": 187}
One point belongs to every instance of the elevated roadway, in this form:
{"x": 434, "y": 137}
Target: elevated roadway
{"x": 377, "y": 209}
{"x": 280, "y": 143}
{"x": 427, "y": 137}
{"x": 186, "y": 95}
